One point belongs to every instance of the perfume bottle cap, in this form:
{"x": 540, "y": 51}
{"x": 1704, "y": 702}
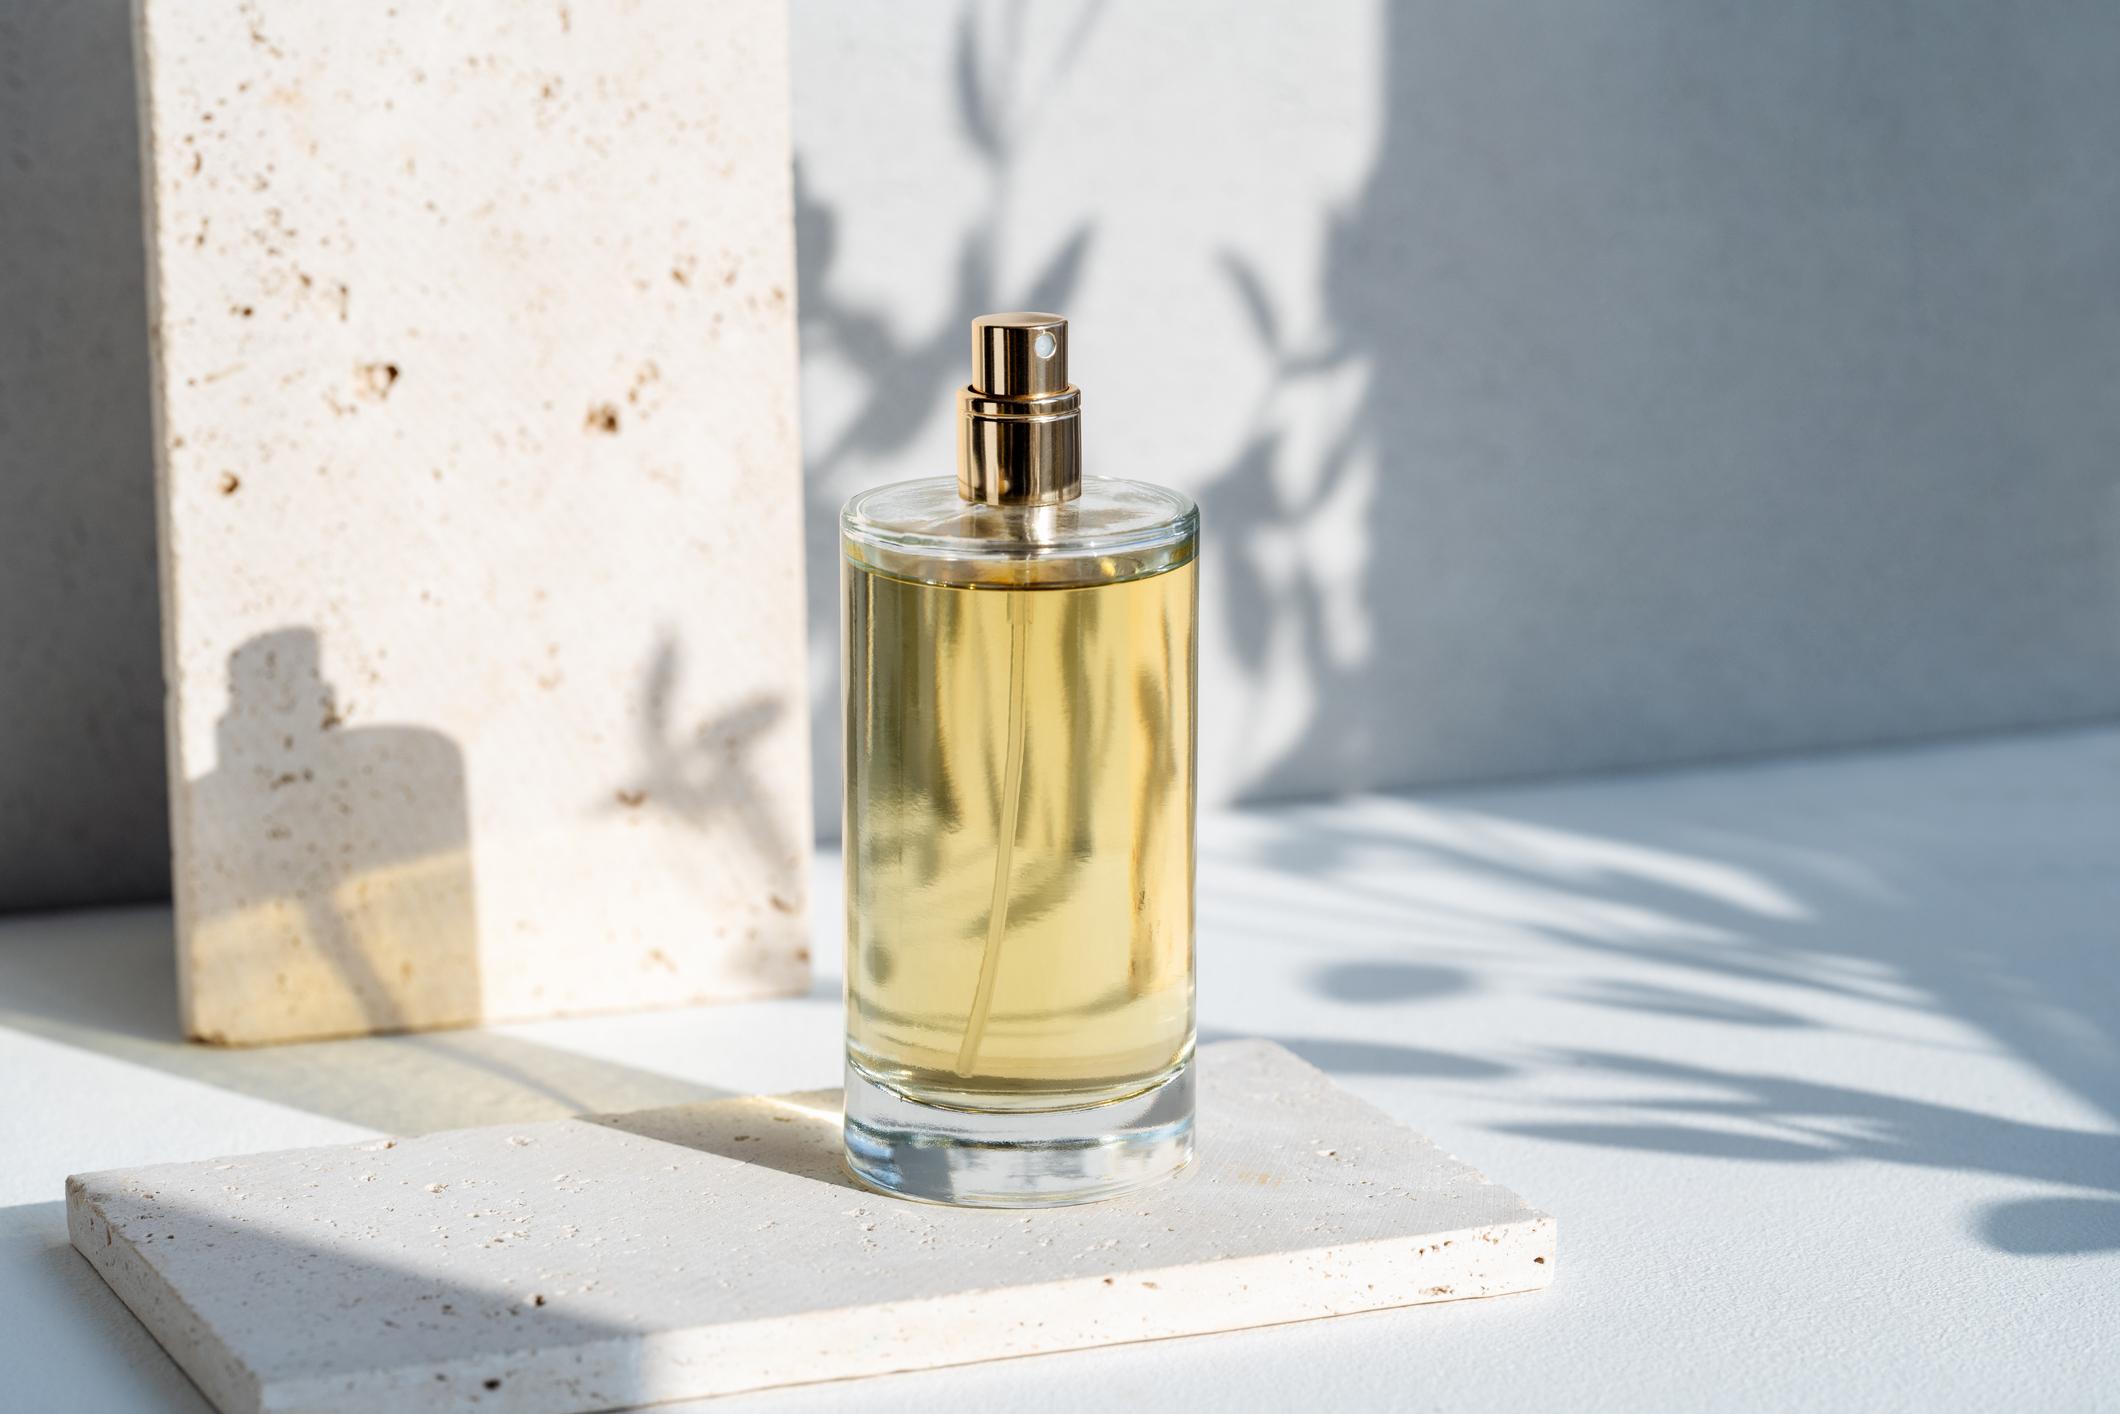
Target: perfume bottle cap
{"x": 1019, "y": 425}
{"x": 1019, "y": 355}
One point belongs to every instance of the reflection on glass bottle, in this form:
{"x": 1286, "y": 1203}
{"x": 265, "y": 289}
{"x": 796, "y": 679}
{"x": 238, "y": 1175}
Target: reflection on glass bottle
{"x": 1019, "y": 795}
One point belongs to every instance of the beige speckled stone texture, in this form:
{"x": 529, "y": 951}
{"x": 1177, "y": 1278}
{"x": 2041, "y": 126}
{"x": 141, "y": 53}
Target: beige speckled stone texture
{"x": 597, "y": 1263}
{"x": 474, "y": 356}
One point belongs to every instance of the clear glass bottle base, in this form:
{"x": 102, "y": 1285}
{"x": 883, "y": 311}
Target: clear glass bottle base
{"x": 991, "y": 1159}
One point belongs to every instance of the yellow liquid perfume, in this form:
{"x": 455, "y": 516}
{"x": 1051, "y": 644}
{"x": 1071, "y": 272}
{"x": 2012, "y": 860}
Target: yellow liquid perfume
{"x": 1019, "y": 808}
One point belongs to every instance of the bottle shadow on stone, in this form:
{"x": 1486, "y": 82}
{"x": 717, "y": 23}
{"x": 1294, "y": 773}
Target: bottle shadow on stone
{"x": 324, "y": 880}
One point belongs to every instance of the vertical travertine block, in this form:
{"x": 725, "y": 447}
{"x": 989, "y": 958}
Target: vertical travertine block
{"x": 474, "y": 340}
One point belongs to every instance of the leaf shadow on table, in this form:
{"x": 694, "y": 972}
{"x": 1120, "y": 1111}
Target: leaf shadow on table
{"x": 1867, "y": 901}
{"x": 1343, "y": 1055}
{"x": 1374, "y": 982}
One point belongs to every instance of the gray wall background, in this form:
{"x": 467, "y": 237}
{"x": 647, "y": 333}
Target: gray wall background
{"x": 1567, "y": 387}
{"x": 82, "y": 813}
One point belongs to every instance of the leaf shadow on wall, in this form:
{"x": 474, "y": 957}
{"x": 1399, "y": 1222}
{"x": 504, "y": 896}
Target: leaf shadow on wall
{"x": 911, "y": 375}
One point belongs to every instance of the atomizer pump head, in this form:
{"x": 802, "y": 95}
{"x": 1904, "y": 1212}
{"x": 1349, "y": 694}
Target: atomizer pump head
{"x": 1019, "y": 428}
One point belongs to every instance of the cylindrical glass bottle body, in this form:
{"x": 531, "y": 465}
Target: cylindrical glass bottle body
{"x": 1019, "y": 842}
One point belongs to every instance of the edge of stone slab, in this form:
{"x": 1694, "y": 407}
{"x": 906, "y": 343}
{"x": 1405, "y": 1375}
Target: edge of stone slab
{"x": 862, "y": 1340}
{"x": 228, "y": 1384}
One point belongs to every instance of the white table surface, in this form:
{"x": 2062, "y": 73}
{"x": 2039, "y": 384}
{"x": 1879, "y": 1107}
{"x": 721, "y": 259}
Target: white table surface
{"x": 1815, "y": 1062}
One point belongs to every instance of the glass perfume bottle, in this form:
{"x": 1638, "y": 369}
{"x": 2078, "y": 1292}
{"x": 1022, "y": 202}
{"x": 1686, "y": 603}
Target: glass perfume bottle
{"x": 1019, "y": 807}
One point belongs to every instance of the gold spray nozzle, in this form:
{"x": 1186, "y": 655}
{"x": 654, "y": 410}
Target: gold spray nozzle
{"x": 1019, "y": 429}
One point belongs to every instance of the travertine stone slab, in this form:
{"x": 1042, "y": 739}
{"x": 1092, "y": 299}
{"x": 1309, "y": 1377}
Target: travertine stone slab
{"x": 474, "y": 360}
{"x": 596, "y": 1263}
